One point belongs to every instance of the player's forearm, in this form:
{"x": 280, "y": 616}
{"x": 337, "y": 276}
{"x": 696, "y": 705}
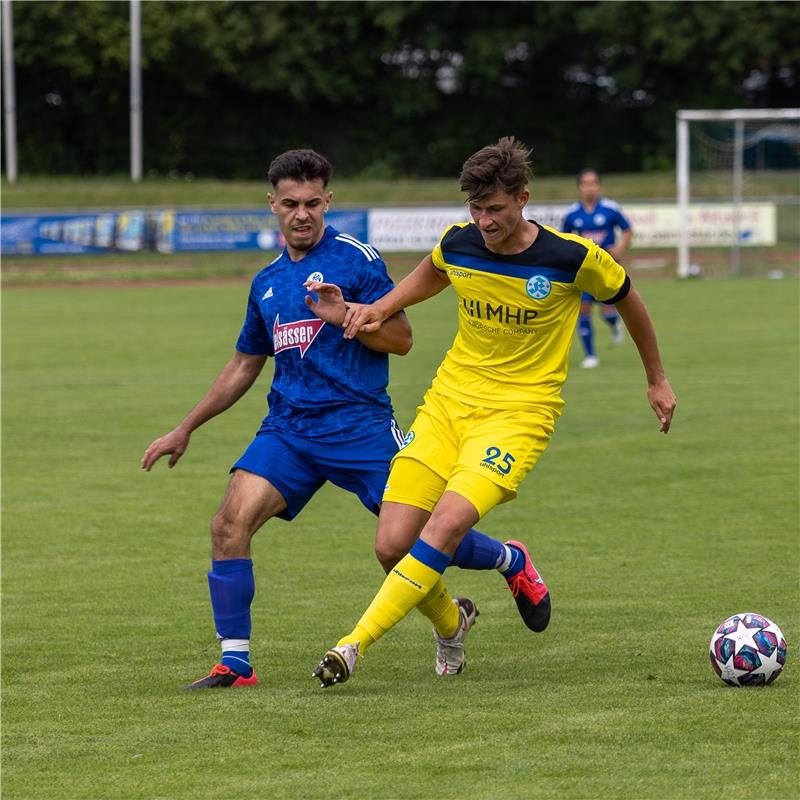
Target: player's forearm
{"x": 424, "y": 282}
{"x": 393, "y": 336}
{"x": 237, "y": 376}
{"x": 618, "y": 250}
{"x": 624, "y": 242}
{"x": 637, "y": 320}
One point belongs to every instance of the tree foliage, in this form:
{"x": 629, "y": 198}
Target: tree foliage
{"x": 388, "y": 88}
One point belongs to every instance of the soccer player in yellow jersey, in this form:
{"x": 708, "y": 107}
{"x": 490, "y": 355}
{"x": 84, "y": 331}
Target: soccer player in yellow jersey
{"x": 495, "y": 399}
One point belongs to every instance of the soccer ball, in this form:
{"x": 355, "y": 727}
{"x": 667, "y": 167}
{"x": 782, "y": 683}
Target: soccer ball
{"x": 748, "y": 650}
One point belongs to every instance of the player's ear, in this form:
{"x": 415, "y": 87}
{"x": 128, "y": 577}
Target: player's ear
{"x": 328, "y": 197}
{"x": 271, "y": 200}
{"x": 523, "y": 198}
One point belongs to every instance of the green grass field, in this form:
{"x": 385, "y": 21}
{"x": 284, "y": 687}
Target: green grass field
{"x": 647, "y": 542}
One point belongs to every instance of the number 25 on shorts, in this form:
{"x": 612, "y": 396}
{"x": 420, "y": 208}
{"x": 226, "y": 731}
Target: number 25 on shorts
{"x": 506, "y": 462}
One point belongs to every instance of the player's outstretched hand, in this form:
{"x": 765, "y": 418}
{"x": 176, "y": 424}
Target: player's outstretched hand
{"x": 363, "y": 319}
{"x": 329, "y": 305}
{"x": 662, "y": 401}
{"x": 175, "y": 442}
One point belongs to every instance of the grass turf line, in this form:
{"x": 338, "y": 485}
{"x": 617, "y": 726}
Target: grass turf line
{"x": 53, "y": 191}
{"x": 647, "y": 541}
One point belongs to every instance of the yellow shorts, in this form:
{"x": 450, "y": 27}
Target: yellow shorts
{"x": 482, "y": 454}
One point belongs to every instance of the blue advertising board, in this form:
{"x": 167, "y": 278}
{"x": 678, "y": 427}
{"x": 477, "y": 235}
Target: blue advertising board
{"x": 168, "y": 231}
{"x": 55, "y": 234}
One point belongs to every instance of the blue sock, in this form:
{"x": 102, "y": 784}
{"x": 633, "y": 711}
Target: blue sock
{"x": 517, "y": 562}
{"x": 232, "y": 587}
{"x": 611, "y": 319}
{"x": 586, "y": 333}
{"x": 238, "y": 661}
{"x": 479, "y": 551}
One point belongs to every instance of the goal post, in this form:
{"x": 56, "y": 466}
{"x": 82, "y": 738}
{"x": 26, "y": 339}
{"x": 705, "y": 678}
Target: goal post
{"x": 734, "y": 149}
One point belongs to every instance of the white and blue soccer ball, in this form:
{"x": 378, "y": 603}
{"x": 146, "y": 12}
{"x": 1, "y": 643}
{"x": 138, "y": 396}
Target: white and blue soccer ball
{"x": 748, "y": 650}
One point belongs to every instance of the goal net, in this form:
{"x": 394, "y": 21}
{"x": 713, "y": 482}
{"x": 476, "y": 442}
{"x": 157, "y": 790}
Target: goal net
{"x": 738, "y": 174}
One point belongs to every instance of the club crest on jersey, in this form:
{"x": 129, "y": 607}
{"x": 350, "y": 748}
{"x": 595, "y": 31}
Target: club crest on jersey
{"x": 316, "y": 277}
{"x": 538, "y": 287}
{"x": 295, "y": 334}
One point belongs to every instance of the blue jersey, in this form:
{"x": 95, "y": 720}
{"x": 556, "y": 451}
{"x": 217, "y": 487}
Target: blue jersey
{"x": 599, "y": 225}
{"x": 325, "y": 386}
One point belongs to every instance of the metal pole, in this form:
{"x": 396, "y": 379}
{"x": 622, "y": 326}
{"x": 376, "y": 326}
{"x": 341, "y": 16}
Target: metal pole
{"x": 9, "y": 95}
{"x": 738, "y": 169}
{"x": 136, "y": 90}
{"x": 682, "y": 134}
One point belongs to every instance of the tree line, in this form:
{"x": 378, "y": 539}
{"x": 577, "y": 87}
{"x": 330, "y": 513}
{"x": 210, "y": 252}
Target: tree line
{"x": 388, "y": 88}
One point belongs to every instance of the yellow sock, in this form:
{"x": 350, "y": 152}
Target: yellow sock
{"x": 440, "y": 609}
{"x": 406, "y": 586}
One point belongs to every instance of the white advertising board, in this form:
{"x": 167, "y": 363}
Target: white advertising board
{"x": 655, "y": 225}
{"x": 710, "y": 224}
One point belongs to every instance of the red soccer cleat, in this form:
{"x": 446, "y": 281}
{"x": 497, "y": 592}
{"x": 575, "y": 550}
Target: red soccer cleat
{"x": 530, "y": 593}
{"x": 222, "y": 677}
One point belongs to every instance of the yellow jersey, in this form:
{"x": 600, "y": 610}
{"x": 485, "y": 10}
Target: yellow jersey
{"x": 517, "y": 314}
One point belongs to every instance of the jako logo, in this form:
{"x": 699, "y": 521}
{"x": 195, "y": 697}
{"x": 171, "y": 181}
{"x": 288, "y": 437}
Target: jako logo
{"x": 295, "y": 334}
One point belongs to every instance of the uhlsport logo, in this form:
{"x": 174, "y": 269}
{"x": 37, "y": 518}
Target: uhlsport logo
{"x": 295, "y": 334}
{"x": 316, "y": 277}
{"x": 538, "y": 287}
{"x": 407, "y": 439}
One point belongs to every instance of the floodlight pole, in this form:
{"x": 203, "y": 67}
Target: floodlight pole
{"x": 136, "y": 90}
{"x": 9, "y": 94}
{"x": 738, "y": 170}
{"x": 682, "y": 132}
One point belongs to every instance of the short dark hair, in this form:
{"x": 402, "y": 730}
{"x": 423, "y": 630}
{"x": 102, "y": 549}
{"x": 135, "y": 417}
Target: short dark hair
{"x": 300, "y": 165}
{"x": 503, "y": 166}
{"x": 588, "y": 171}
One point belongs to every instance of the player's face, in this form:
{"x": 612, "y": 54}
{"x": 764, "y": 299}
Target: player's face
{"x": 499, "y": 218}
{"x": 589, "y": 187}
{"x": 300, "y": 207}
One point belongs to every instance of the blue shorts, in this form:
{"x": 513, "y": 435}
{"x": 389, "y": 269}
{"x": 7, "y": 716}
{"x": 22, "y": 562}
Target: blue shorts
{"x": 298, "y": 467}
{"x": 588, "y": 298}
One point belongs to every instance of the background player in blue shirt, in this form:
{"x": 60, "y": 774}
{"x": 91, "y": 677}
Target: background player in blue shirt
{"x": 597, "y": 218}
{"x": 330, "y": 417}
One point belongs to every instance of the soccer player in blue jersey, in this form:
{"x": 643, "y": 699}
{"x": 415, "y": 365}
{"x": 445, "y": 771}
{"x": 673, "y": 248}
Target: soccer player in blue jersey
{"x": 330, "y": 417}
{"x": 494, "y": 402}
{"x": 597, "y": 218}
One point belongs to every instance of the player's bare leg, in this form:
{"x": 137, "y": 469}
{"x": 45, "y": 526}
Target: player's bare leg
{"x": 249, "y": 502}
{"x": 398, "y": 528}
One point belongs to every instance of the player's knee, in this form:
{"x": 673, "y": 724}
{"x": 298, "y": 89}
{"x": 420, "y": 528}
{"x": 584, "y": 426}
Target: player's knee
{"x": 388, "y": 553}
{"x": 393, "y": 540}
{"x": 227, "y": 535}
{"x": 445, "y": 531}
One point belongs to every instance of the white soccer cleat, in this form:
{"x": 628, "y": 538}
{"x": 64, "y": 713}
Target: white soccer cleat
{"x": 450, "y": 655}
{"x": 618, "y": 334}
{"x": 337, "y": 665}
{"x": 590, "y": 362}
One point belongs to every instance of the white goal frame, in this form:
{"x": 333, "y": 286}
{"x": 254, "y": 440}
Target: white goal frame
{"x": 738, "y": 116}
